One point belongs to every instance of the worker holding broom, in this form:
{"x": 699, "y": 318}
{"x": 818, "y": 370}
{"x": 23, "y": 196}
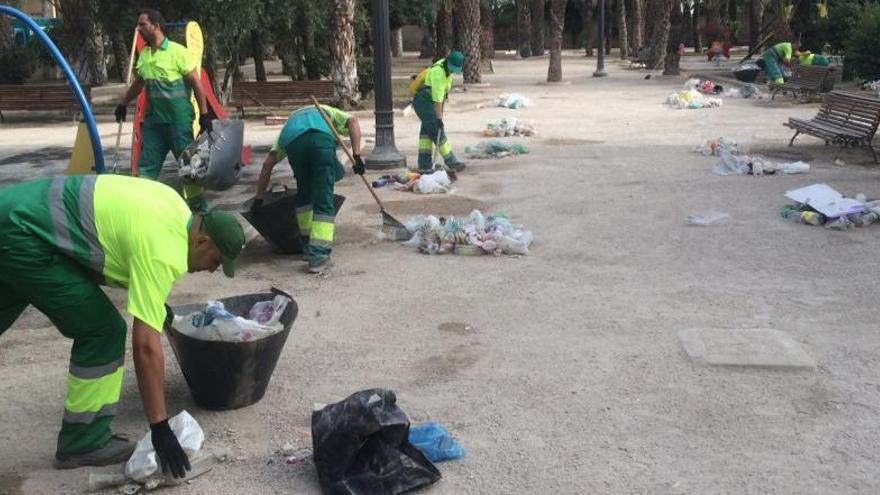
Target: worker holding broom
{"x": 168, "y": 72}
{"x": 431, "y": 91}
{"x": 63, "y": 236}
{"x": 309, "y": 144}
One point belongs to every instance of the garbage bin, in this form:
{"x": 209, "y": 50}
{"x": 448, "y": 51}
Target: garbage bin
{"x": 229, "y": 375}
{"x": 276, "y": 220}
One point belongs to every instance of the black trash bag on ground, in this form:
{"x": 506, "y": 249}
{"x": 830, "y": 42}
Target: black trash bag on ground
{"x": 361, "y": 447}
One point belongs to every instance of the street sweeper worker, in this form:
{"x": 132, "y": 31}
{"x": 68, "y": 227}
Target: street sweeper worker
{"x": 170, "y": 76}
{"x": 310, "y": 146}
{"x": 779, "y": 53}
{"x": 64, "y": 236}
{"x": 429, "y": 103}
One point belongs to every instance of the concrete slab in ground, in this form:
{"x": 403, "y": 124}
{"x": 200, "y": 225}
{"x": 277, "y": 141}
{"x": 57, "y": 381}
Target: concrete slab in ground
{"x": 761, "y": 348}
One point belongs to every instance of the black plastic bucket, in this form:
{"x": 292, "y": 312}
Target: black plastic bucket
{"x": 276, "y": 220}
{"x": 229, "y": 375}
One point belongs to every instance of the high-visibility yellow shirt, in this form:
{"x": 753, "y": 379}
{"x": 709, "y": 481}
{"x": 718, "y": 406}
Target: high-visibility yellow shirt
{"x": 439, "y": 82}
{"x": 167, "y": 92}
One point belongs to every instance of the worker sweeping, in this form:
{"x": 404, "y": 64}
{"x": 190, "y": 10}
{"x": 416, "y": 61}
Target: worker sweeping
{"x": 63, "y": 236}
{"x": 170, "y": 75}
{"x": 431, "y": 91}
{"x": 310, "y": 146}
{"x": 779, "y": 53}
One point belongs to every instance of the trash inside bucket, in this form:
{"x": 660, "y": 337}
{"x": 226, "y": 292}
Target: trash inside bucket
{"x": 229, "y": 375}
{"x": 276, "y": 220}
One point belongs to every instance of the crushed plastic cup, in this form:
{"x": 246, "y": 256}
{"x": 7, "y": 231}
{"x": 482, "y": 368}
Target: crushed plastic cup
{"x": 708, "y": 219}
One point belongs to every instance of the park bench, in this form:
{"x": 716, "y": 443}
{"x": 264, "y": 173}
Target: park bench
{"x": 806, "y": 80}
{"x": 284, "y": 94}
{"x": 40, "y": 97}
{"x": 845, "y": 118}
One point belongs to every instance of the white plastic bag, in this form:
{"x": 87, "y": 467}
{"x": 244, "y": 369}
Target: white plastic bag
{"x": 438, "y": 182}
{"x": 796, "y": 168}
{"x": 215, "y": 323}
{"x": 143, "y": 463}
{"x": 267, "y": 313}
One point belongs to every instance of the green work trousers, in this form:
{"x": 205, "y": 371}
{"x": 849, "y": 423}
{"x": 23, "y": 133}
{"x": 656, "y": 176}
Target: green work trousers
{"x": 774, "y": 73}
{"x": 312, "y": 157}
{"x": 158, "y": 140}
{"x": 428, "y": 136}
{"x": 34, "y": 272}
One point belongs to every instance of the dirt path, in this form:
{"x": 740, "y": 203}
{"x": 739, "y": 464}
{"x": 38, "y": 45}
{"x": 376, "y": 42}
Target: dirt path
{"x": 560, "y": 372}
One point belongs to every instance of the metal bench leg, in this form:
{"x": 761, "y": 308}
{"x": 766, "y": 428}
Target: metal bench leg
{"x": 796, "y": 133}
{"x": 1, "y": 117}
{"x": 873, "y": 151}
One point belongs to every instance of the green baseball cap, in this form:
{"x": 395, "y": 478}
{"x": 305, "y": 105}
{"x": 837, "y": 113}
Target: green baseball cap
{"x": 455, "y": 61}
{"x": 228, "y": 236}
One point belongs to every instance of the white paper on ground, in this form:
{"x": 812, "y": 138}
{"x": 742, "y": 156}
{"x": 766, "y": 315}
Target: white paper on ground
{"x": 825, "y": 200}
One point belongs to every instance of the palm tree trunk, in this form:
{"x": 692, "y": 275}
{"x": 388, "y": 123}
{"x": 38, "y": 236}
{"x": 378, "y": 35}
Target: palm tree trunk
{"x": 660, "y": 34}
{"x": 698, "y": 35}
{"x": 469, "y": 12}
{"x": 120, "y": 54}
{"x": 687, "y": 34}
{"x": 621, "y": 30}
{"x": 444, "y": 29}
{"x": 638, "y": 19}
{"x": 671, "y": 65}
{"x": 83, "y": 41}
{"x": 397, "y": 43}
{"x": 342, "y": 46}
{"x": 487, "y": 31}
{"x": 537, "y": 10}
{"x": 587, "y": 19}
{"x": 557, "y": 27}
{"x": 756, "y": 19}
{"x": 257, "y": 49}
{"x": 523, "y": 28}
{"x": 429, "y": 41}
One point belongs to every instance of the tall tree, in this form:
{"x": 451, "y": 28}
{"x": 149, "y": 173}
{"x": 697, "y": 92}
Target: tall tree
{"x": 523, "y": 28}
{"x": 469, "y": 10}
{"x": 638, "y": 25}
{"x": 687, "y": 34}
{"x": 671, "y": 65}
{"x": 660, "y": 33}
{"x": 257, "y": 52}
{"x": 444, "y": 28}
{"x": 537, "y": 39}
{"x": 487, "y": 31}
{"x": 83, "y": 40}
{"x": 586, "y": 10}
{"x": 342, "y": 47}
{"x": 698, "y": 35}
{"x": 557, "y": 26}
{"x": 397, "y": 42}
{"x": 621, "y": 29}
{"x": 756, "y": 20}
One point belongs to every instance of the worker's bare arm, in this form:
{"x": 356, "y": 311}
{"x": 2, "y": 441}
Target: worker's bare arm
{"x": 149, "y": 365}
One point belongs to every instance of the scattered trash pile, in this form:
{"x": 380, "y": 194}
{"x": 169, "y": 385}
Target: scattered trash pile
{"x": 494, "y": 149}
{"x": 731, "y": 164}
{"x": 692, "y": 99}
{"x": 747, "y": 91}
{"x": 709, "y": 87}
{"x": 475, "y": 235}
{"x": 705, "y": 86}
{"x": 713, "y": 147}
{"x": 512, "y": 101}
{"x": 509, "y": 126}
{"x": 215, "y": 323}
{"x": 821, "y": 204}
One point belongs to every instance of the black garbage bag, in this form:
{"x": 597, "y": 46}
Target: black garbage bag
{"x": 361, "y": 447}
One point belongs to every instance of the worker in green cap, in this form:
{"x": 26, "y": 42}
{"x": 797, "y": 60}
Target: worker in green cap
{"x": 807, "y": 57}
{"x": 779, "y": 53}
{"x": 64, "y": 236}
{"x": 310, "y": 146}
{"x": 170, "y": 75}
{"x": 428, "y": 102}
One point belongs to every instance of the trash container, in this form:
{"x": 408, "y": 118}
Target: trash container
{"x": 276, "y": 220}
{"x": 229, "y": 375}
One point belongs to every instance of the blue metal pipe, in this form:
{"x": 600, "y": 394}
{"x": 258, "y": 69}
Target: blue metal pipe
{"x": 71, "y": 79}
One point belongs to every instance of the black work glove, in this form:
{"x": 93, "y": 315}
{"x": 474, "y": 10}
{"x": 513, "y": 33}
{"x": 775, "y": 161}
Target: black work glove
{"x": 205, "y": 124}
{"x": 257, "y": 205}
{"x": 121, "y": 112}
{"x": 440, "y": 124}
{"x": 172, "y": 459}
{"x": 358, "y": 166}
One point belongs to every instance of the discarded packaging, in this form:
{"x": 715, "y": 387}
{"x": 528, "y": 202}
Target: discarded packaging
{"x": 826, "y": 200}
{"x": 494, "y": 148}
{"x": 214, "y": 158}
{"x": 708, "y": 219}
{"x": 731, "y": 164}
{"x": 437, "y": 444}
{"x": 512, "y": 101}
{"x": 435, "y": 183}
{"x": 692, "y": 99}
{"x": 713, "y": 147}
{"x": 509, "y": 126}
{"x": 796, "y": 168}
{"x": 362, "y": 447}
{"x": 142, "y": 464}
{"x": 215, "y": 323}
{"x": 493, "y": 235}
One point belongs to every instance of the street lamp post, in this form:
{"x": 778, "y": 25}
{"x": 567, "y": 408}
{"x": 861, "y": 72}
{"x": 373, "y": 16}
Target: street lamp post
{"x": 384, "y": 154}
{"x": 600, "y": 60}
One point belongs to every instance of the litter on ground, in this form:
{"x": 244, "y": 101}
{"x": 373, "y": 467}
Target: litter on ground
{"x": 477, "y": 234}
{"x": 829, "y": 202}
{"x": 215, "y": 323}
{"x": 494, "y": 149}
{"x": 143, "y": 463}
{"x": 435, "y": 442}
{"x": 708, "y": 219}
{"x": 509, "y": 126}
{"x": 692, "y": 99}
{"x": 512, "y": 101}
{"x": 712, "y": 147}
{"x": 732, "y": 164}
